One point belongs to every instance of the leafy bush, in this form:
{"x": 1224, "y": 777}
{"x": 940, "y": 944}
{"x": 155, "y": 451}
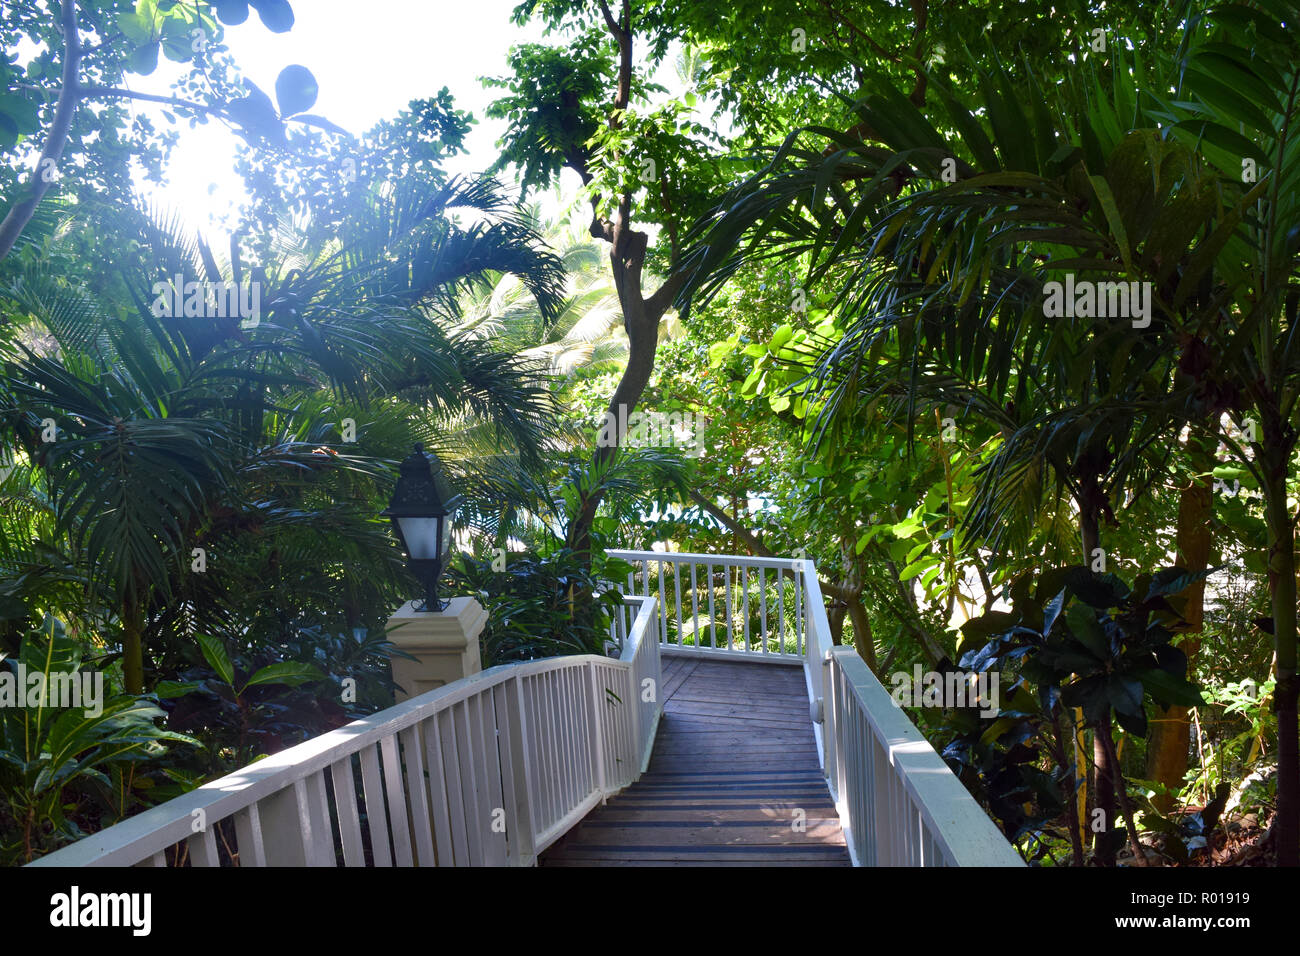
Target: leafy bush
{"x": 249, "y": 703}
{"x": 1079, "y": 640}
{"x": 64, "y": 770}
{"x": 538, "y": 606}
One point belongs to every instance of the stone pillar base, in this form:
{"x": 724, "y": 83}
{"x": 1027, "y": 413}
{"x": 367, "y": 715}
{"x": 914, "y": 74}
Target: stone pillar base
{"x": 445, "y": 644}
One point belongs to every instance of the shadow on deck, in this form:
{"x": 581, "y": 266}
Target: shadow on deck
{"x": 733, "y": 780}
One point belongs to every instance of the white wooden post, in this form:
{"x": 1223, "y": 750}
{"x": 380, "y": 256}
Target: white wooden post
{"x": 596, "y": 732}
{"x": 515, "y": 764}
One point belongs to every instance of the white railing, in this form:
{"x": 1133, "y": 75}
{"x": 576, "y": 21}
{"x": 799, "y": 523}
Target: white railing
{"x": 488, "y": 770}
{"x": 817, "y": 646}
{"x": 723, "y": 605}
{"x": 897, "y": 800}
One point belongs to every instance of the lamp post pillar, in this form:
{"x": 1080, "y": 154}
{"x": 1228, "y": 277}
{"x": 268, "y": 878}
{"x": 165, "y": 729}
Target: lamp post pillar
{"x": 444, "y": 644}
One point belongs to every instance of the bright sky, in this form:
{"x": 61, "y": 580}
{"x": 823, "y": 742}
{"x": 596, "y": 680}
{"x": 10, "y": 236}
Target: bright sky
{"x": 369, "y": 60}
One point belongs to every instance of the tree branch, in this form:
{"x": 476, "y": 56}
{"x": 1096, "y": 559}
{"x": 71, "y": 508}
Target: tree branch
{"x": 921, "y": 11}
{"x": 609, "y": 18}
{"x": 662, "y": 298}
{"x": 756, "y": 547}
{"x": 876, "y": 48}
{"x": 117, "y": 92}
{"x": 20, "y": 214}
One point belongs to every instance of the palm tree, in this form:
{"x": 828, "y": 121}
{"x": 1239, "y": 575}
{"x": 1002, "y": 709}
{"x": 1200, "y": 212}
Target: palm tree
{"x": 584, "y": 334}
{"x": 177, "y": 434}
{"x": 943, "y": 244}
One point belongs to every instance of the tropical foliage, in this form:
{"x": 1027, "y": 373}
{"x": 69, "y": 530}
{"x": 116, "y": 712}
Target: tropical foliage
{"x": 988, "y": 308}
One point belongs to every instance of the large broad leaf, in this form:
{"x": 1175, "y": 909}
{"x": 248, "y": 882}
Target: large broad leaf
{"x": 1169, "y": 581}
{"x": 135, "y": 28}
{"x": 144, "y": 58}
{"x": 1171, "y": 660}
{"x": 1166, "y": 689}
{"x": 295, "y": 90}
{"x": 8, "y": 132}
{"x": 290, "y": 673}
{"x": 256, "y": 115}
{"x": 276, "y": 15}
{"x": 21, "y": 112}
{"x": 1053, "y": 610}
{"x": 177, "y": 43}
{"x": 49, "y": 650}
{"x": 169, "y": 689}
{"x": 1089, "y": 694}
{"x": 1061, "y": 660}
{"x": 1098, "y": 590}
{"x": 214, "y": 652}
{"x": 77, "y": 743}
{"x": 232, "y": 12}
{"x": 1087, "y": 630}
{"x": 1134, "y": 723}
{"x": 1125, "y": 694}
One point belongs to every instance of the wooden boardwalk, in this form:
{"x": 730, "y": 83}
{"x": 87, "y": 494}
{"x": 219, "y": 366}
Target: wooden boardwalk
{"x": 733, "y": 780}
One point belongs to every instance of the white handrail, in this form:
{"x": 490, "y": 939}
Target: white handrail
{"x": 726, "y": 606}
{"x": 817, "y": 646}
{"x": 490, "y": 769}
{"x": 898, "y": 802}
{"x": 495, "y": 767}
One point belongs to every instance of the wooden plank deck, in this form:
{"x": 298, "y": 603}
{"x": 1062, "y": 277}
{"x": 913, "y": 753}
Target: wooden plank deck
{"x": 733, "y": 780}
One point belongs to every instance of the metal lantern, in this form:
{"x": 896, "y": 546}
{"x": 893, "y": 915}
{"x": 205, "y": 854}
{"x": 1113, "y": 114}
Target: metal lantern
{"x": 421, "y": 509}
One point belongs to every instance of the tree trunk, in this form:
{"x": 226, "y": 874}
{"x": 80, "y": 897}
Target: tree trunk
{"x": 21, "y": 212}
{"x": 1117, "y": 785}
{"x": 835, "y": 617}
{"x": 862, "y": 636}
{"x": 641, "y": 318}
{"x": 641, "y": 313}
{"x": 1072, "y": 807}
{"x": 1282, "y": 588}
{"x": 1106, "y": 775}
{"x": 1167, "y": 749}
{"x": 132, "y": 648}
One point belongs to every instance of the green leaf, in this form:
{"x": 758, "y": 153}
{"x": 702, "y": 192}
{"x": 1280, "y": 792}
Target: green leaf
{"x": 21, "y": 112}
{"x": 779, "y": 338}
{"x": 8, "y": 132}
{"x": 1087, "y": 630}
{"x": 1113, "y": 218}
{"x": 1166, "y": 689}
{"x": 214, "y": 652}
{"x": 1169, "y": 581}
{"x": 291, "y": 673}
{"x": 720, "y": 350}
{"x": 144, "y": 59}
{"x": 135, "y": 28}
{"x": 170, "y": 689}
{"x": 916, "y": 567}
{"x": 1125, "y": 694}
{"x": 1228, "y": 103}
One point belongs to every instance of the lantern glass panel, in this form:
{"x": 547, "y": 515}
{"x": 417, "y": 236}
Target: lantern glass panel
{"x": 421, "y": 537}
